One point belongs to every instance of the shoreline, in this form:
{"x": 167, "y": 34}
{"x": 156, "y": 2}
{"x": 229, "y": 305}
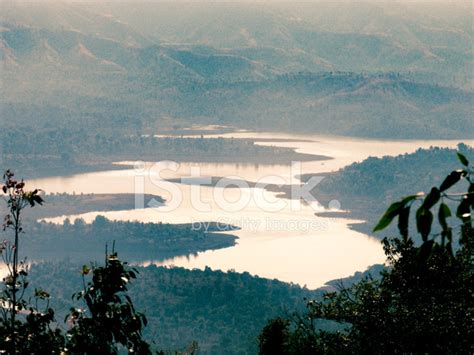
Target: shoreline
{"x": 38, "y": 169}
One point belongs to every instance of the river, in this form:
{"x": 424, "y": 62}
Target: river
{"x": 277, "y": 239}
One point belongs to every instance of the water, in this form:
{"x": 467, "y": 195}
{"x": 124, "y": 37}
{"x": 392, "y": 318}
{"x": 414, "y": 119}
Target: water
{"x": 276, "y": 239}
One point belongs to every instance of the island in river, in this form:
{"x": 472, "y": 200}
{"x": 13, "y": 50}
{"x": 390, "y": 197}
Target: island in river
{"x": 136, "y": 241}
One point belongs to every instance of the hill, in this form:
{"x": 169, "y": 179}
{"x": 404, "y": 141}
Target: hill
{"x": 366, "y": 189}
{"x": 321, "y": 68}
{"x": 104, "y": 83}
{"x": 222, "y": 311}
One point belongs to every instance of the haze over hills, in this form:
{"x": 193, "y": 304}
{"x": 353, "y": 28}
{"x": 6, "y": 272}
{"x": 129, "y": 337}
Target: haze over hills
{"x": 219, "y": 137}
{"x": 59, "y": 15}
{"x": 245, "y": 65}
{"x": 347, "y": 36}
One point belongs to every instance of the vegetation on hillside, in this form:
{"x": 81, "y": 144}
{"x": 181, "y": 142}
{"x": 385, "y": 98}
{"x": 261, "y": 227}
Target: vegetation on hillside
{"x": 222, "y": 311}
{"x": 153, "y": 241}
{"x": 107, "y": 323}
{"x": 423, "y": 302}
{"x": 63, "y": 150}
{"x": 365, "y": 188}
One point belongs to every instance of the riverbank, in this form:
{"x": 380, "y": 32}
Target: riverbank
{"x": 71, "y": 204}
{"x": 90, "y": 158}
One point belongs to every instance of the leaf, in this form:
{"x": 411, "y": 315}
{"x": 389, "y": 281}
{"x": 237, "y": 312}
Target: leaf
{"x": 451, "y": 179}
{"x": 408, "y": 199}
{"x": 424, "y": 219}
{"x": 463, "y": 211}
{"x": 443, "y": 213}
{"x": 85, "y": 269}
{"x": 462, "y": 159}
{"x": 394, "y": 209}
{"x": 38, "y": 199}
{"x": 403, "y": 221}
{"x": 432, "y": 198}
{"x": 388, "y": 216}
{"x": 30, "y": 201}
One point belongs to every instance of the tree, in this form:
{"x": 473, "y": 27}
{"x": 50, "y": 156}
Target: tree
{"x": 423, "y": 302}
{"x": 25, "y": 325}
{"x": 274, "y": 336}
{"x": 110, "y": 322}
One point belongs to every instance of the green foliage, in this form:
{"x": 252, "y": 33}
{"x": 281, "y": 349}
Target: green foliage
{"x": 223, "y": 311}
{"x": 388, "y": 177}
{"x": 27, "y": 326}
{"x": 395, "y": 209}
{"x": 110, "y": 322}
{"x": 148, "y": 240}
{"x": 274, "y": 336}
{"x": 423, "y": 302}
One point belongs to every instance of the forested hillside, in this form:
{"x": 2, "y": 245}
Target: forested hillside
{"x": 222, "y": 311}
{"x": 67, "y": 151}
{"x": 364, "y": 189}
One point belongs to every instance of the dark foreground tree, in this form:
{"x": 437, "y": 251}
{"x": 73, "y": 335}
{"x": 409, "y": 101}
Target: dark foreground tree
{"x": 26, "y": 325}
{"x": 107, "y": 325}
{"x": 110, "y": 322}
{"x": 424, "y": 300}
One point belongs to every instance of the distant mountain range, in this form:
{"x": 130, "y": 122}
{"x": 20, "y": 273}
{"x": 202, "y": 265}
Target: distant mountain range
{"x": 253, "y": 66}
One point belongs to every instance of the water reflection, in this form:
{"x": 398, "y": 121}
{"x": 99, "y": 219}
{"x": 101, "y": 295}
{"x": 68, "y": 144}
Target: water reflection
{"x": 273, "y": 244}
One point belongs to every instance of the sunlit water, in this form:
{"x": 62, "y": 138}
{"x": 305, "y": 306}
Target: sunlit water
{"x": 277, "y": 239}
